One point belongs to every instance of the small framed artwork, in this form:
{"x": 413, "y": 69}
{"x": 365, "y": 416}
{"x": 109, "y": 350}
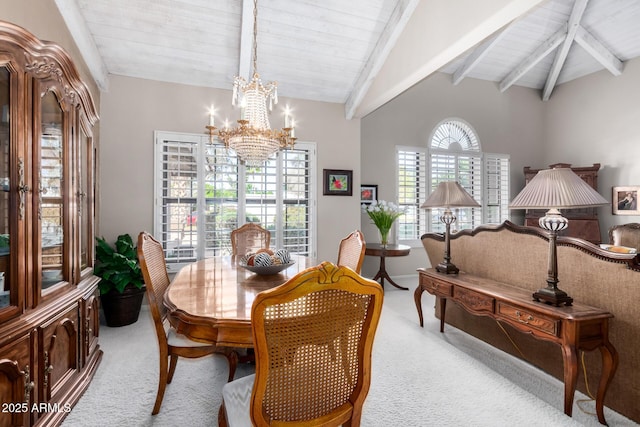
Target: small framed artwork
{"x": 368, "y": 193}
{"x": 337, "y": 182}
{"x": 624, "y": 200}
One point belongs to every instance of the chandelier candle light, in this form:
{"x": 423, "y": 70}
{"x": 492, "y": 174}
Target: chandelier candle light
{"x": 253, "y": 140}
{"x": 383, "y": 214}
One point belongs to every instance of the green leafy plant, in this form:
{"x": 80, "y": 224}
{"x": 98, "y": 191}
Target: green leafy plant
{"x": 117, "y": 266}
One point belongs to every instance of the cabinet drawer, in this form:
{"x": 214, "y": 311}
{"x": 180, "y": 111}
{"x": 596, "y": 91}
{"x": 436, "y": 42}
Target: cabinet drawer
{"x": 436, "y": 287}
{"x": 473, "y": 301}
{"x": 525, "y": 317}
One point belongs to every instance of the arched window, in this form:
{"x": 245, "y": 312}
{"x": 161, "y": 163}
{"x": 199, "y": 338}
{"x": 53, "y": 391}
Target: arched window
{"x": 455, "y": 154}
{"x": 454, "y": 135}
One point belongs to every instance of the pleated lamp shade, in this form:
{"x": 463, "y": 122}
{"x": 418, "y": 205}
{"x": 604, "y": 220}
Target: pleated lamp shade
{"x": 449, "y": 194}
{"x": 557, "y": 188}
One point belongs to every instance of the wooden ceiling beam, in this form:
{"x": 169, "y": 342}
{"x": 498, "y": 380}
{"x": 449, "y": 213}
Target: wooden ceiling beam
{"x": 543, "y": 50}
{"x": 599, "y": 51}
{"x": 84, "y": 40}
{"x": 399, "y": 18}
{"x": 245, "y": 59}
{"x": 477, "y": 55}
{"x": 561, "y": 55}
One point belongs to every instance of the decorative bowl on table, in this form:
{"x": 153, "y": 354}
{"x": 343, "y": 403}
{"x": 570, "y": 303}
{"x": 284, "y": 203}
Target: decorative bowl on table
{"x": 267, "y": 269}
{"x": 266, "y": 262}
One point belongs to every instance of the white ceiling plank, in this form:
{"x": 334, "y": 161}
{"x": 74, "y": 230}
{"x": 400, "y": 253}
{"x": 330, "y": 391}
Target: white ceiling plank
{"x": 599, "y": 52}
{"x": 543, "y": 50}
{"x": 561, "y": 55}
{"x": 399, "y": 18}
{"x": 85, "y": 42}
{"x": 477, "y": 56}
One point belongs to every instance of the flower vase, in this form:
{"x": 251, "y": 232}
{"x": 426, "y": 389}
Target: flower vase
{"x": 384, "y": 237}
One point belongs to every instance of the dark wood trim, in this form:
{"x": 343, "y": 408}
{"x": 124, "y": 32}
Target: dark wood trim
{"x": 632, "y": 260}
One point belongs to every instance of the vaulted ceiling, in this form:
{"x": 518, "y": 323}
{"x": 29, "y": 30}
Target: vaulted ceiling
{"x": 332, "y": 50}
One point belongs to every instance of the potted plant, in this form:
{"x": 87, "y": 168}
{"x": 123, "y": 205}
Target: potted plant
{"x": 122, "y": 286}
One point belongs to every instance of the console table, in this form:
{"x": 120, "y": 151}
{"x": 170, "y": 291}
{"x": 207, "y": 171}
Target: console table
{"x": 376, "y": 249}
{"x": 576, "y": 327}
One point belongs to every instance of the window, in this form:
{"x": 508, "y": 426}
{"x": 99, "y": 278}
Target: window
{"x": 412, "y": 192}
{"x": 454, "y": 153}
{"x": 203, "y": 192}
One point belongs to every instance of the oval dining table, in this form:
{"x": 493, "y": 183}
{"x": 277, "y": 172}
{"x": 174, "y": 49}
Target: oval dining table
{"x": 210, "y": 300}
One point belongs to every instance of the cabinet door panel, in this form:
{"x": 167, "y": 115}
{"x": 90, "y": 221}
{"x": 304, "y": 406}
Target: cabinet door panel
{"x": 60, "y": 353}
{"x": 16, "y": 382}
{"x": 92, "y": 326}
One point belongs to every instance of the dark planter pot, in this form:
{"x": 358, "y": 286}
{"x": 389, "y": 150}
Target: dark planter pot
{"x": 121, "y": 309}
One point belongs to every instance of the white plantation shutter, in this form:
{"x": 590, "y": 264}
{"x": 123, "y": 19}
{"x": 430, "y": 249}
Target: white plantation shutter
{"x": 496, "y": 194}
{"x": 412, "y": 192}
{"x": 296, "y": 219}
{"x": 465, "y": 169}
{"x": 203, "y": 192}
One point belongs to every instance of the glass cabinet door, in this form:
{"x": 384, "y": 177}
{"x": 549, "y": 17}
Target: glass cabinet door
{"x": 5, "y": 186}
{"x": 85, "y": 200}
{"x": 51, "y": 190}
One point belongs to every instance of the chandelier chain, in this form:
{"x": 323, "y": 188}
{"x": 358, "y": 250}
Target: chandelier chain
{"x": 255, "y": 36}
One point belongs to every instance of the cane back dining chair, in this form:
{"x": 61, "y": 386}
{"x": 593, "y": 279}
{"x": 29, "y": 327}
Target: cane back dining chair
{"x": 351, "y": 251}
{"x": 249, "y": 238}
{"x": 313, "y": 337}
{"x": 171, "y": 344}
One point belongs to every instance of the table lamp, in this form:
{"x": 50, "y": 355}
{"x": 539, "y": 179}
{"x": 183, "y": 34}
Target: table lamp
{"x": 555, "y": 189}
{"x": 447, "y": 195}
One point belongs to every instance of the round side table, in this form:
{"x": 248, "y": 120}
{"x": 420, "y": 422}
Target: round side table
{"x": 376, "y": 249}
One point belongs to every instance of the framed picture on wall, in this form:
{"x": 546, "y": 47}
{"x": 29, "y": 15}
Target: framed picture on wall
{"x": 337, "y": 182}
{"x": 368, "y": 193}
{"x": 624, "y": 200}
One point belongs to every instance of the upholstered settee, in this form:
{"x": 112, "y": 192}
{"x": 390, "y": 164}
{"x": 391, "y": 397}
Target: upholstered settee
{"x": 627, "y": 235}
{"x": 518, "y": 256}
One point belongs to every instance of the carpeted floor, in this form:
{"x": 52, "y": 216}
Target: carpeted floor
{"x": 420, "y": 378}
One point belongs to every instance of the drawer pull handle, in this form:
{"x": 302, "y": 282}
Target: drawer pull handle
{"x": 521, "y": 320}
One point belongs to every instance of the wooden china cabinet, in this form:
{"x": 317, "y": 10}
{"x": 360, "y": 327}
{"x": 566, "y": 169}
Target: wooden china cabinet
{"x": 583, "y": 223}
{"x": 49, "y": 300}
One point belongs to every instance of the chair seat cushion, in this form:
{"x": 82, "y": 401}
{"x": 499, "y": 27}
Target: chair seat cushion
{"x": 237, "y": 401}
{"x": 178, "y": 340}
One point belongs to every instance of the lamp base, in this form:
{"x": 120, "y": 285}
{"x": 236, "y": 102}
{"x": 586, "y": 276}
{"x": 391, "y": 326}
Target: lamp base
{"x": 553, "y": 295}
{"x": 447, "y": 268}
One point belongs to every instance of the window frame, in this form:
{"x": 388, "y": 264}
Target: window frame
{"x": 201, "y": 141}
{"x": 484, "y": 172}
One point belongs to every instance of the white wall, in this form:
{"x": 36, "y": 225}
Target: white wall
{"x": 596, "y": 119}
{"x": 134, "y": 108}
{"x": 510, "y": 123}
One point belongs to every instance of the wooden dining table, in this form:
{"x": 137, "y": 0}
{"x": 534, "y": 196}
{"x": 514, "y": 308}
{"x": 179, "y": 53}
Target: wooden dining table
{"x": 210, "y": 300}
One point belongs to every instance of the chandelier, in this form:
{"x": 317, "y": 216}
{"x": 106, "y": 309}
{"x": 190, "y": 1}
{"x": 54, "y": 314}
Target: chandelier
{"x": 253, "y": 140}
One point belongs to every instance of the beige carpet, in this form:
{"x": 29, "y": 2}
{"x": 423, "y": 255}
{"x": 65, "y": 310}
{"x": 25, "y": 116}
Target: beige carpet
{"x": 420, "y": 378}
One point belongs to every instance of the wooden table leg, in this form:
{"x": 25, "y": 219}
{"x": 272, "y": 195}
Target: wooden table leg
{"x": 570, "y": 362}
{"x": 443, "y": 309}
{"x": 382, "y": 274}
{"x": 417, "y": 297}
{"x": 609, "y": 366}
